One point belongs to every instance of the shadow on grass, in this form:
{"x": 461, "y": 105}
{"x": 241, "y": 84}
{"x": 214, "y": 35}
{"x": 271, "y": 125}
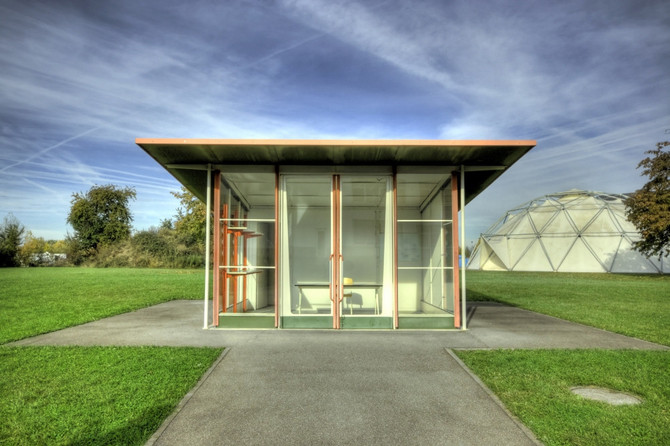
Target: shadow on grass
{"x": 135, "y": 432}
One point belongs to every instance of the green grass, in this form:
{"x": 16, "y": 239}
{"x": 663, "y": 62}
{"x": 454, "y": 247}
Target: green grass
{"x": 633, "y": 305}
{"x": 535, "y": 386}
{"x": 40, "y": 300}
{"x": 93, "y": 395}
{"x": 77, "y": 395}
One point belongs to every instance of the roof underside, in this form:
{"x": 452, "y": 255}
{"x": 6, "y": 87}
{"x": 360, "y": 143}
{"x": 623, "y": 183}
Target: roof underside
{"x": 187, "y": 159}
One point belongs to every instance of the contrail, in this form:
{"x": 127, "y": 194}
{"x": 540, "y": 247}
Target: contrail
{"x": 43, "y": 151}
{"x": 249, "y": 65}
{"x": 283, "y": 50}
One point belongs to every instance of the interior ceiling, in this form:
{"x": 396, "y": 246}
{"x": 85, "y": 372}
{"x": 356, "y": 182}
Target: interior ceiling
{"x": 187, "y": 159}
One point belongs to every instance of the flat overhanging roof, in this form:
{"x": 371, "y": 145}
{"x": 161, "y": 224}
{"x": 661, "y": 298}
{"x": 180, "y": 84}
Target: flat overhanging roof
{"x": 187, "y": 159}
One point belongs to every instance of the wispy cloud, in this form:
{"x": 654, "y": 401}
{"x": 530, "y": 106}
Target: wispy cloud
{"x": 586, "y": 80}
{"x": 80, "y": 82}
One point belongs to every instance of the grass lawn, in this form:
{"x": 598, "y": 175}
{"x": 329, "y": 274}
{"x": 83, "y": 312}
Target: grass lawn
{"x": 633, "y": 305}
{"x": 93, "y": 395}
{"x": 535, "y": 386}
{"x": 96, "y": 395}
{"x": 40, "y": 300}
{"x": 89, "y": 395}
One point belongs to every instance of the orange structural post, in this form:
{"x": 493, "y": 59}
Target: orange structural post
{"x": 224, "y": 270}
{"x": 216, "y": 286}
{"x": 337, "y": 254}
{"x": 244, "y": 268}
{"x": 454, "y": 238}
{"x": 233, "y": 263}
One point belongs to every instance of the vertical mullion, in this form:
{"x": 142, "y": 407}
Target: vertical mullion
{"x": 336, "y": 250}
{"x": 454, "y": 241}
{"x": 208, "y": 245}
{"x": 464, "y": 321}
{"x": 245, "y": 239}
{"x": 216, "y": 286}
{"x": 395, "y": 248}
{"x": 223, "y": 289}
{"x": 276, "y": 246}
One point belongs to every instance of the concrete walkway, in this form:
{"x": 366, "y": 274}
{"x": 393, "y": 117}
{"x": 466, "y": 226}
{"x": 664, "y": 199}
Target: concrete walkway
{"x": 340, "y": 387}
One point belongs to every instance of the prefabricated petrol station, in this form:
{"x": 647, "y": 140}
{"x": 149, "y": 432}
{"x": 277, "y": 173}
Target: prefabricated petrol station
{"x": 335, "y": 234}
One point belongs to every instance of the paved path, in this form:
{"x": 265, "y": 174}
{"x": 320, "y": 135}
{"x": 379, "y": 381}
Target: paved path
{"x": 340, "y": 387}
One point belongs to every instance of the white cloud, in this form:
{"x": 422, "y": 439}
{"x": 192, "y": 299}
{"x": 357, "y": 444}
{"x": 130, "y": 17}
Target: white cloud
{"x": 588, "y": 80}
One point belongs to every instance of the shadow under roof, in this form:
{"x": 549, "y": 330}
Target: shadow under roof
{"x": 187, "y": 159}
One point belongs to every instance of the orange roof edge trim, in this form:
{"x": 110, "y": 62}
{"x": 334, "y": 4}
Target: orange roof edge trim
{"x": 334, "y": 142}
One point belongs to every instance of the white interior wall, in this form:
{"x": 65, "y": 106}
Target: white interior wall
{"x": 409, "y": 255}
{"x": 309, "y": 251}
{"x": 363, "y": 251}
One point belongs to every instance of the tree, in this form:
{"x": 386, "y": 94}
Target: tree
{"x": 101, "y": 216}
{"x": 32, "y": 250}
{"x": 11, "y": 237}
{"x": 190, "y": 222}
{"x": 649, "y": 208}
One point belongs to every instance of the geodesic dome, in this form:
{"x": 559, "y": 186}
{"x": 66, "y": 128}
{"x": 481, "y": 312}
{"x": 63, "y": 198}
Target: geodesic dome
{"x": 573, "y": 231}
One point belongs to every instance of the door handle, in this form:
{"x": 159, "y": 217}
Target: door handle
{"x": 331, "y": 293}
{"x": 340, "y": 294}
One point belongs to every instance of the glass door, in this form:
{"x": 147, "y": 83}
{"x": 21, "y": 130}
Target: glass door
{"x": 339, "y": 269}
{"x": 365, "y": 235}
{"x": 307, "y": 233}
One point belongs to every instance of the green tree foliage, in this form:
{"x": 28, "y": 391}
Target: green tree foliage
{"x": 32, "y": 249}
{"x": 190, "y": 219}
{"x": 101, "y": 216}
{"x": 11, "y": 237}
{"x": 649, "y": 208}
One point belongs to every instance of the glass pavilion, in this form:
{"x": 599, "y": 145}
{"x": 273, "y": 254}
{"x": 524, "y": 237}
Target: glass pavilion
{"x": 335, "y": 234}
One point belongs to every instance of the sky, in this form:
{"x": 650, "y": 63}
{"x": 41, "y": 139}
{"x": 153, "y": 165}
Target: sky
{"x": 80, "y": 80}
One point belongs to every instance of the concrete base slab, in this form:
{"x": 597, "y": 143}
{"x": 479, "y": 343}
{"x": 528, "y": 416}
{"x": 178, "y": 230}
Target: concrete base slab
{"x": 490, "y": 325}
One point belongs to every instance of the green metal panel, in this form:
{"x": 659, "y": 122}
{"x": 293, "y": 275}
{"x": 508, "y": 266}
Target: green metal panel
{"x": 307, "y": 322}
{"x": 423, "y": 322}
{"x": 246, "y": 321}
{"x": 367, "y": 322}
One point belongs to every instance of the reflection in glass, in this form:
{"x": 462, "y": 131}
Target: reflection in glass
{"x": 425, "y": 251}
{"x": 309, "y": 239}
{"x": 363, "y": 225}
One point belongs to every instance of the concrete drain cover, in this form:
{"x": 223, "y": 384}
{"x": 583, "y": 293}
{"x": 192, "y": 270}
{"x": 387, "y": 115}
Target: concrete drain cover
{"x": 606, "y": 395}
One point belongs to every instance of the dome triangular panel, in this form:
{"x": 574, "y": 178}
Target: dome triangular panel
{"x": 602, "y": 224}
{"x": 523, "y": 226}
{"x": 560, "y": 225}
{"x": 541, "y": 216}
{"x": 498, "y": 245}
{"x": 581, "y": 259}
{"x": 490, "y": 261}
{"x": 628, "y": 260}
{"x": 557, "y": 248}
{"x": 534, "y": 259}
{"x": 604, "y": 248}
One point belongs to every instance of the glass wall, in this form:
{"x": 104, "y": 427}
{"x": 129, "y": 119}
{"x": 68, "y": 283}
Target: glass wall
{"x": 308, "y": 242}
{"x": 364, "y": 245}
{"x": 360, "y": 207}
{"x": 247, "y": 243}
{"x": 425, "y": 246}
{"x": 336, "y": 244}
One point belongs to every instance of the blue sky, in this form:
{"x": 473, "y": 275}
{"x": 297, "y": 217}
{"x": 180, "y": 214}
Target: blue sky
{"x": 80, "y": 80}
